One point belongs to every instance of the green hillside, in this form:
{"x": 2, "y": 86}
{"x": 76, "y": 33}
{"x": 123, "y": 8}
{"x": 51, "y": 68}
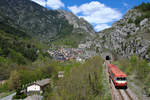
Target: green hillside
{"x": 16, "y": 48}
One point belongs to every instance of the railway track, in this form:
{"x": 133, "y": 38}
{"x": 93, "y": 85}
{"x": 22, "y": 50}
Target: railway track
{"x": 128, "y": 95}
{"x": 120, "y": 95}
{"x": 124, "y": 95}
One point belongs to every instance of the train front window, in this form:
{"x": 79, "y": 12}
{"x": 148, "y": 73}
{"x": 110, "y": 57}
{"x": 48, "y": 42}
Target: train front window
{"x": 121, "y": 78}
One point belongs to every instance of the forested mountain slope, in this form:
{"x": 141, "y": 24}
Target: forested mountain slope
{"x": 46, "y": 25}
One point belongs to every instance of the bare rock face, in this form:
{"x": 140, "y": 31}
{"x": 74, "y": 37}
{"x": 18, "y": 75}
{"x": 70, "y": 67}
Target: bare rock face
{"x": 144, "y": 22}
{"x": 78, "y": 23}
{"x": 126, "y": 36}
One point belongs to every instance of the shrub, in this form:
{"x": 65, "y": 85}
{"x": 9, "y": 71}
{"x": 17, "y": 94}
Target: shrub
{"x": 139, "y": 19}
{"x": 17, "y": 57}
{"x": 147, "y": 85}
{"x": 143, "y": 7}
{"x": 4, "y": 87}
{"x": 20, "y": 96}
{"x": 130, "y": 21}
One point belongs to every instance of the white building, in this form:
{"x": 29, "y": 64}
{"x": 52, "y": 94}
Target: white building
{"x": 38, "y": 86}
{"x": 34, "y": 88}
{"x": 82, "y": 46}
{"x": 78, "y": 59}
{"x": 61, "y": 74}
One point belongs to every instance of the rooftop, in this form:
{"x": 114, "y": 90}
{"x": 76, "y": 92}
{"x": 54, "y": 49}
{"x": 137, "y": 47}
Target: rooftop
{"x": 42, "y": 82}
{"x": 117, "y": 71}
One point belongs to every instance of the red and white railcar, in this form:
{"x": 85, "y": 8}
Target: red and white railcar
{"x": 118, "y": 77}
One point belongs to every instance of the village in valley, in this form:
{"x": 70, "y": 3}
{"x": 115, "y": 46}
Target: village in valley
{"x": 79, "y": 54}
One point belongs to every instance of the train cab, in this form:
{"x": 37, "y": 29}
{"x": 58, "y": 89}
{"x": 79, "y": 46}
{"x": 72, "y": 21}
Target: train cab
{"x": 118, "y": 77}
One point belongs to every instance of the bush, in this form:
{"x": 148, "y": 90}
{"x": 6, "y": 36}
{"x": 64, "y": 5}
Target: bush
{"x": 147, "y": 85}
{"x": 143, "y": 7}
{"x": 3, "y": 60}
{"x": 17, "y": 57}
{"x": 130, "y": 21}
{"x": 139, "y": 19}
{"x": 20, "y": 96}
{"x": 14, "y": 80}
{"x": 4, "y": 88}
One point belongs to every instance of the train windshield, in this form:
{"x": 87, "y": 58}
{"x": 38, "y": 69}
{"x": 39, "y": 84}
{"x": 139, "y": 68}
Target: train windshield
{"x": 121, "y": 78}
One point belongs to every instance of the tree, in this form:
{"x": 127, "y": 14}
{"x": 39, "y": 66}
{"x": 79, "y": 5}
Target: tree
{"x": 14, "y": 80}
{"x": 1, "y": 52}
{"x": 17, "y": 57}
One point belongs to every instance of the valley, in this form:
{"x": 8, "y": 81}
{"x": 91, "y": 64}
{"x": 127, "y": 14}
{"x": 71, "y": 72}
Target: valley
{"x": 62, "y": 56}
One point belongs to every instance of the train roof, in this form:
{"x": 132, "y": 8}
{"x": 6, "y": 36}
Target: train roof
{"x": 117, "y": 72}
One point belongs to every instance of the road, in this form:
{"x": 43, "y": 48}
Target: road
{"x": 34, "y": 97}
{"x": 8, "y": 97}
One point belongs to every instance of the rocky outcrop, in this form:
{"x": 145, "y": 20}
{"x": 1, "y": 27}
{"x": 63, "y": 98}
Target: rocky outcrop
{"x": 126, "y": 37}
{"x": 78, "y": 23}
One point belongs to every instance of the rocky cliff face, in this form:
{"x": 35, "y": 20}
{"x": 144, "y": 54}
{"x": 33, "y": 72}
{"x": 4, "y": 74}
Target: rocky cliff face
{"x": 40, "y": 22}
{"x": 78, "y": 23}
{"x": 129, "y": 35}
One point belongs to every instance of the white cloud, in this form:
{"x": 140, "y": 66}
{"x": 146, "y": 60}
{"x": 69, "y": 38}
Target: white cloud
{"x": 96, "y": 13}
{"x": 74, "y": 9}
{"x": 40, "y": 2}
{"x": 125, "y": 4}
{"x": 100, "y": 27}
{"x": 54, "y": 4}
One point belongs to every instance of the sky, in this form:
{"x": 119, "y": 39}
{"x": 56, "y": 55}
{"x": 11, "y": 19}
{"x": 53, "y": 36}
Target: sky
{"x": 100, "y": 13}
